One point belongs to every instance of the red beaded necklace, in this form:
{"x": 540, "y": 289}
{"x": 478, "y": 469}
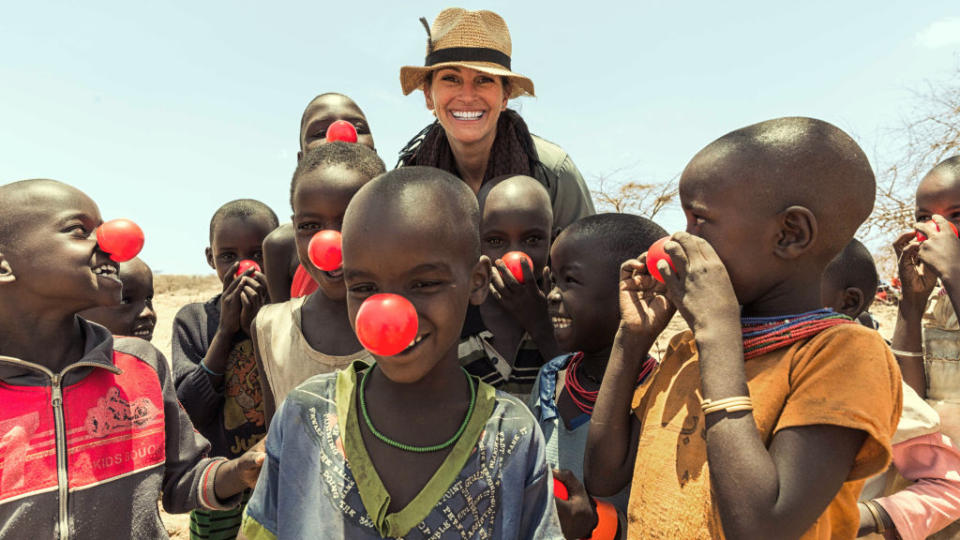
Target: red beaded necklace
{"x": 764, "y": 334}
{"x": 585, "y": 399}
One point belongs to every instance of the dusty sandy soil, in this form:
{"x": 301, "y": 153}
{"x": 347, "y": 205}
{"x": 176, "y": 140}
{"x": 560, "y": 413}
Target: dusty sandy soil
{"x": 173, "y": 292}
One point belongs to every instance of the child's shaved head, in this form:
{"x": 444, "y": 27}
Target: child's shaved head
{"x": 616, "y": 237}
{"x": 794, "y": 161}
{"x": 244, "y": 209}
{"x": 515, "y": 188}
{"x": 19, "y": 203}
{"x": 355, "y": 157}
{"x": 939, "y": 192}
{"x": 430, "y": 200}
{"x": 853, "y": 268}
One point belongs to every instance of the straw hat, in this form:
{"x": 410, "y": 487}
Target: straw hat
{"x": 478, "y": 40}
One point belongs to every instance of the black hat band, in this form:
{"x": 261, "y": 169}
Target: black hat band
{"x": 467, "y": 54}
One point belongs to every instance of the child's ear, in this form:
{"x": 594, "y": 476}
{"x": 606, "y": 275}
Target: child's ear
{"x": 852, "y": 302}
{"x": 798, "y": 231}
{"x": 6, "y": 271}
{"x": 209, "y": 253}
{"x": 480, "y": 280}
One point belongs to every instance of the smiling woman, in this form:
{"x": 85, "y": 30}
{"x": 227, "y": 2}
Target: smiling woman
{"x": 466, "y": 80}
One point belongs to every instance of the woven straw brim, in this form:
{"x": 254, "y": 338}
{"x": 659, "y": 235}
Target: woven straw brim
{"x": 411, "y": 77}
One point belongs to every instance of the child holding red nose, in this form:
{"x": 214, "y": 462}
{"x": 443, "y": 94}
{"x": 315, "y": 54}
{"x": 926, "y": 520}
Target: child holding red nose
{"x": 216, "y": 373}
{"x": 299, "y": 338}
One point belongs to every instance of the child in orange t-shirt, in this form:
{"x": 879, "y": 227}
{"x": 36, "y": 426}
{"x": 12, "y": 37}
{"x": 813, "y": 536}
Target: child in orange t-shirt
{"x": 765, "y": 426}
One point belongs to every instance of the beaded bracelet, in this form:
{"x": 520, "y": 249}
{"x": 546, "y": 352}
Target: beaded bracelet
{"x": 906, "y": 354}
{"x": 730, "y": 404}
{"x": 204, "y": 367}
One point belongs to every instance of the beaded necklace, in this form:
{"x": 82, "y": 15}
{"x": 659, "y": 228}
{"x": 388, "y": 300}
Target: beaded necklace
{"x": 585, "y": 399}
{"x": 409, "y": 447}
{"x": 764, "y": 334}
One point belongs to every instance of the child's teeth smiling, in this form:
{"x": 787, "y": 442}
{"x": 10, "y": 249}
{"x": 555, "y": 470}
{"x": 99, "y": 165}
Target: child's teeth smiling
{"x": 466, "y": 115}
{"x": 560, "y": 322}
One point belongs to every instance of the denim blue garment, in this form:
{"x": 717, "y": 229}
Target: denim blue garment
{"x": 307, "y": 489}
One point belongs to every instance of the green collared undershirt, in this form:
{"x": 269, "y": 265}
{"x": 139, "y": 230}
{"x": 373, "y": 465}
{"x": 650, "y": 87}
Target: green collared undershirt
{"x": 374, "y": 495}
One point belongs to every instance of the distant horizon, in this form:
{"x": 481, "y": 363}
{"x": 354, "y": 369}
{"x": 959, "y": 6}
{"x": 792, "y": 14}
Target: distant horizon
{"x": 163, "y": 112}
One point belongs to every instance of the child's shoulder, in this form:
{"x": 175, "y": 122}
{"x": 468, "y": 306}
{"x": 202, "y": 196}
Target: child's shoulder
{"x": 852, "y": 337}
{"x": 271, "y": 313}
{"x": 199, "y": 311}
{"x": 510, "y": 413}
{"x": 142, "y": 350}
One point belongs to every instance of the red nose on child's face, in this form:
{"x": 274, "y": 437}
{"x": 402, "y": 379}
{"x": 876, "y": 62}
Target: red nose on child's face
{"x": 325, "y": 250}
{"x": 922, "y": 237}
{"x": 341, "y": 130}
{"x": 654, "y": 255}
{"x": 386, "y": 324}
{"x": 121, "y": 238}
{"x": 245, "y": 264}
{"x": 513, "y": 260}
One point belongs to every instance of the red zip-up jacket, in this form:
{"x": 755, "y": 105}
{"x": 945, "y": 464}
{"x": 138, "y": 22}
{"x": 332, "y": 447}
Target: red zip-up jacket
{"x": 84, "y": 453}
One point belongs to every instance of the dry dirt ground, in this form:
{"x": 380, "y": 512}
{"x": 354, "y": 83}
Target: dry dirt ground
{"x": 172, "y": 292}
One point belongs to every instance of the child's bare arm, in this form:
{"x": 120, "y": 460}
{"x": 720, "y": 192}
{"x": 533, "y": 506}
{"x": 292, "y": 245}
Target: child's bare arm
{"x": 760, "y": 493}
{"x": 612, "y": 439}
{"x": 917, "y": 283}
{"x": 279, "y": 247}
{"x": 269, "y": 405}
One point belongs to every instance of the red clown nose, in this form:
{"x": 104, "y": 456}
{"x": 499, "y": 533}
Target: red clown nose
{"x": 560, "y": 490}
{"x": 512, "y": 261}
{"x": 121, "y": 238}
{"x": 656, "y": 254}
{"x": 341, "y": 130}
{"x": 247, "y": 263}
{"x": 324, "y": 250}
{"x": 386, "y": 324}
{"x": 922, "y": 237}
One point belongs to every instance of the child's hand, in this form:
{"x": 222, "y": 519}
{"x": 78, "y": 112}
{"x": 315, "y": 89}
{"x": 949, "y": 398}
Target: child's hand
{"x": 577, "y": 517}
{"x": 253, "y": 295}
{"x": 230, "y": 302}
{"x": 700, "y": 286}
{"x": 941, "y": 251}
{"x": 240, "y": 473}
{"x": 916, "y": 280}
{"x": 525, "y": 301}
{"x": 644, "y": 310}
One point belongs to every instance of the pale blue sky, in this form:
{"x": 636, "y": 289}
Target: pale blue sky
{"x": 163, "y": 111}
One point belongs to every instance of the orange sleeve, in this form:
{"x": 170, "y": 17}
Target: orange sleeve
{"x": 847, "y": 377}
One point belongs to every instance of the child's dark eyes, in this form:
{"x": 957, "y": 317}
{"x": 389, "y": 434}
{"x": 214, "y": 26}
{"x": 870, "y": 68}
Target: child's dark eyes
{"x": 426, "y": 284}
{"x": 494, "y": 242}
{"x": 362, "y": 290}
{"x": 227, "y": 257}
{"x": 78, "y": 230}
{"x": 533, "y": 241}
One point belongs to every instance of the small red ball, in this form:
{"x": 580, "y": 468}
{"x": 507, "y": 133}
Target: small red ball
{"x": 512, "y": 261}
{"x": 247, "y": 263}
{"x": 341, "y": 130}
{"x": 560, "y": 490}
{"x": 121, "y": 238}
{"x": 654, "y": 255}
{"x": 386, "y": 324}
{"x": 922, "y": 237}
{"x": 324, "y": 250}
